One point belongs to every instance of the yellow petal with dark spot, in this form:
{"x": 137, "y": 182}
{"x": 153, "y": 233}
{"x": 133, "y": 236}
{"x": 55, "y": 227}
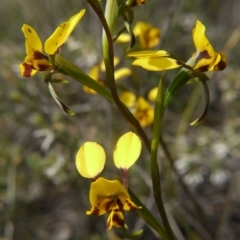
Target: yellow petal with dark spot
{"x": 33, "y": 42}
{"x": 61, "y": 34}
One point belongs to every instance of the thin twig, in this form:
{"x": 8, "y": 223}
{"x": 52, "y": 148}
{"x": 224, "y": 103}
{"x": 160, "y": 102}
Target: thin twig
{"x": 110, "y": 74}
{"x": 197, "y": 206}
{"x": 191, "y": 220}
{"x": 227, "y": 207}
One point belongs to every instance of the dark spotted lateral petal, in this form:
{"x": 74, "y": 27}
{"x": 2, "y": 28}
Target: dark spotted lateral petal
{"x": 115, "y": 219}
{"x": 27, "y": 70}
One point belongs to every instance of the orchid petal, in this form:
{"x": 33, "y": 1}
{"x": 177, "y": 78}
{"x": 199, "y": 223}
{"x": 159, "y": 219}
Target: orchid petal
{"x": 33, "y": 42}
{"x": 61, "y": 34}
{"x": 127, "y": 150}
{"x": 90, "y": 160}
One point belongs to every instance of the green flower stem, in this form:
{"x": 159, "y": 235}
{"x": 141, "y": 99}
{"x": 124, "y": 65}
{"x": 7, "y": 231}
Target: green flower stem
{"x": 108, "y": 22}
{"x": 178, "y": 82}
{"x": 148, "y": 217}
{"x": 157, "y": 191}
{"x": 68, "y": 68}
{"x": 200, "y": 212}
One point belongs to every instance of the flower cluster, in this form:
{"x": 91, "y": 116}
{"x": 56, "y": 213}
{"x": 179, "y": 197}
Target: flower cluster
{"x": 204, "y": 59}
{"x": 109, "y": 196}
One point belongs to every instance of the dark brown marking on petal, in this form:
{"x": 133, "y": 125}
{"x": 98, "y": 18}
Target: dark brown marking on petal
{"x": 109, "y": 206}
{"x": 203, "y": 54}
{"x": 27, "y": 69}
{"x": 136, "y": 3}
{"x": 108, "y": 225}
{"x": 221, "y": 65}
{"x": 120, "y": 205}
{"x": 117, "y": 219}
{"x": 43, "y": 67}
{"x": 37, "y": 55}
{"x": 178, "y": 62}
{"x": 203, "y": 68}
{"x": 95, "y": 211}
{"x": 29, "y": 30}
{"x": 128, "y": 203}
{"x": 131, "y": 207}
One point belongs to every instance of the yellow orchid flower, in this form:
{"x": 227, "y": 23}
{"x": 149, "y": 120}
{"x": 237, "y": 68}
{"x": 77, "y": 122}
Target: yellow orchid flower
{"x": 142, "y": 110}
{"x": 111, "y": 197}
{"x": 148, "y": 35}
{"x": 205, "y": 58}
{"x": 36, "y": 60}
{"x": 90, "y": 160}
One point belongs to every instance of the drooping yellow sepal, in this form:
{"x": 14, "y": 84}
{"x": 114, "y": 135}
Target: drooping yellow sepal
{"x": 90, "y": 160}
{"x": 127, "y": 150}
{"x": 155, "y": 60}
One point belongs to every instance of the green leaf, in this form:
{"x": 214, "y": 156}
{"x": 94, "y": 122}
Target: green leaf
{"x": 176, "y": 84}
{"x": 64, "y": 107}
{"x": 127, "y": 23}
{"x": 206, "y": 102}
{"x": 148, "y": 217}
{"x": 68, "y": 68}
{"x": 62, "y": 81}
{"x": 131, "y": 235}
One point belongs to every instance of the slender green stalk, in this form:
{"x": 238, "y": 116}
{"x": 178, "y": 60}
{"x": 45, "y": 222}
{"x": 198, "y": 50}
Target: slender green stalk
{"x": 176, "y": 84}
{"x": 200, "y": 212}
{"x": 108, "y": 53}
{"x": 148, "y": 217}
{"x": 157, "y": 191}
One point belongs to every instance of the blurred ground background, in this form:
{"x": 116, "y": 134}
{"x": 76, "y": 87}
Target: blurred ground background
{"x": 41, "y": 194}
